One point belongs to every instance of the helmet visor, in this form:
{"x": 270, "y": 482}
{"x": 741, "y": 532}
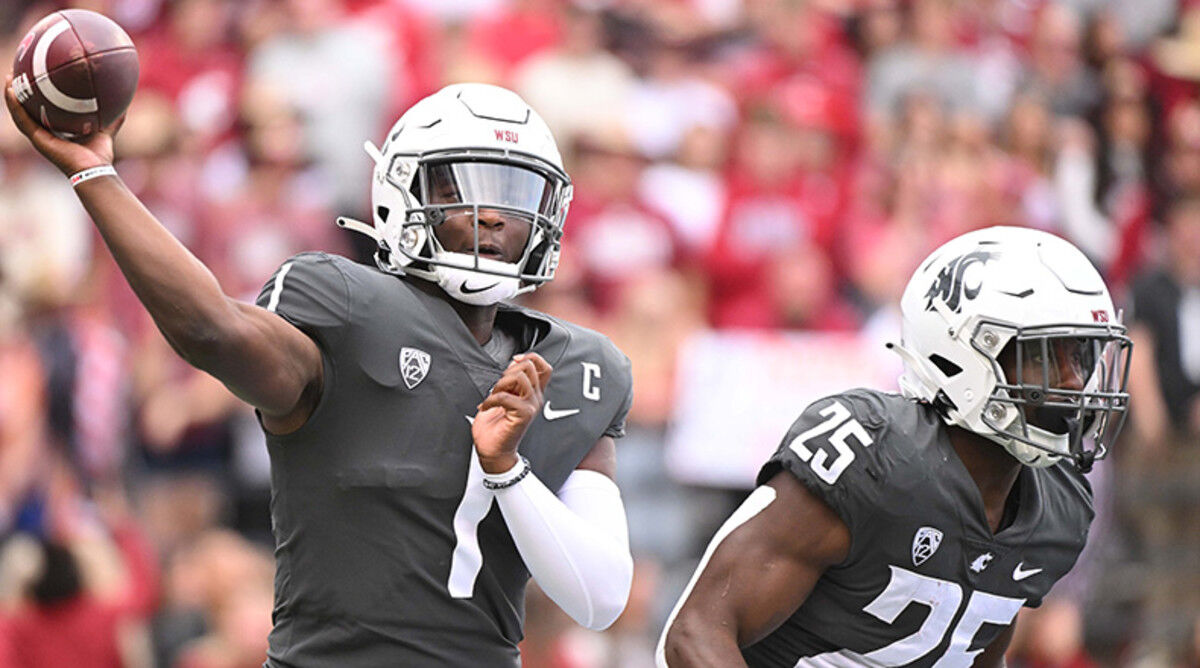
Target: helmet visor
{"x": 488, "y": 184}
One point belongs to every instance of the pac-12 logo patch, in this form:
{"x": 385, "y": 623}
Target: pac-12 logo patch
{"x": 925, "y": 543}
{"x": 414, "y": 365}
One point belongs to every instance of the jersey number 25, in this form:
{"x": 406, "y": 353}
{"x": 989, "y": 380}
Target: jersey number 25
{"x": 844, "y": 427}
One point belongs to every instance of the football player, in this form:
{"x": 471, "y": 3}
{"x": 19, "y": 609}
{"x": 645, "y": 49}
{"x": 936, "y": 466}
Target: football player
{"x": 909, "y": 529}
{"x": 425, "y": 457}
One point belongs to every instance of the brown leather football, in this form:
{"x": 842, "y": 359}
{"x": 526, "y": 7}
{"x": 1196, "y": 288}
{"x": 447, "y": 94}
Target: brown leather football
{"x": 75, "y": 72}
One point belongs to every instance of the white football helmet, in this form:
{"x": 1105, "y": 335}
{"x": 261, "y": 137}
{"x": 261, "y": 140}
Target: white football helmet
{"x": 488, "y": 149}
{"x": 1026, "y": 300}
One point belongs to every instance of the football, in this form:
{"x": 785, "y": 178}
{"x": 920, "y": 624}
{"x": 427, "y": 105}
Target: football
{"x": 75, "y": 72}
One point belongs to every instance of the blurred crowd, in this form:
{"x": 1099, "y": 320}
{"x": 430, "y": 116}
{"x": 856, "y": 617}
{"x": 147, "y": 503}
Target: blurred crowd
{"x": 764, "y": 165}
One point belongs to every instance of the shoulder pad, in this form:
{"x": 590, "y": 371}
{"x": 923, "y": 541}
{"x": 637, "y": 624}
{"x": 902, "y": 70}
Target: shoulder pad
{"x": 836, "y": 450}
{"x": 311, "y": 291}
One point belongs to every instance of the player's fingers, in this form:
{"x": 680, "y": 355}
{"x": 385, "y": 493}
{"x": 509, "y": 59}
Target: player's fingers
{"x": 37, "y": 134}
{"x": 509, "y": 402}
{"x": 520, "y": 381}
{"x": 487, "y": 416}
{"x": 507, "y": 383}
{"x": 541, "y": 367}
{"x": 526, "y": 369}
{"x": 510, "y": 380}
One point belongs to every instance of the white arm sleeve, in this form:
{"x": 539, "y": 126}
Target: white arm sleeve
{"x": 576, "y": 545}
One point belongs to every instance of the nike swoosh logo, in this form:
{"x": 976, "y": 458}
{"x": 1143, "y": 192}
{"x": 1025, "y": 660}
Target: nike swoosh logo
{"x": 1019, "y": 574}
{"x": 471, "y": 291}
{"x": 552, "y": 414}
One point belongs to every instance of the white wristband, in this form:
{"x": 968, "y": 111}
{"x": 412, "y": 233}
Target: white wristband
{"x": 495, "y": 481}
{"x": 91, "y": 173}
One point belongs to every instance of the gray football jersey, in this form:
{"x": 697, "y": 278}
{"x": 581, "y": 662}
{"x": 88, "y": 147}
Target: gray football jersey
{"x": 389, "y": 550}
{"x": 925, "y": 582}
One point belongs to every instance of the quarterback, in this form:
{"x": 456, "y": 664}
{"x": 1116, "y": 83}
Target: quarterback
{"x": 432, "y": 446}
{"x": 908, "y": 529}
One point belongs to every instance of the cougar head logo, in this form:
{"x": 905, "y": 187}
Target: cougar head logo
{"x": 949, "y": 285}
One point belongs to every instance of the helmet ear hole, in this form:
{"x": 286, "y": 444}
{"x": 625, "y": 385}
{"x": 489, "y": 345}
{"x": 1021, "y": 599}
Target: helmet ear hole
{"x": 382, "y": 212}
{"x": 949, "y": 369}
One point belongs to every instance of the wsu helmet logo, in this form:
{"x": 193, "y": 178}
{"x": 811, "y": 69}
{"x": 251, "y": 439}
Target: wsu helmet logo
{"x": 950, "y": 286}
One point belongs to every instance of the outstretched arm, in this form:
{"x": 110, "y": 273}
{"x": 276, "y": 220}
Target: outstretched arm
{"x": 260, "y": 356}
{"x": 759, "y": 568}
{"x": 575, "y": 543}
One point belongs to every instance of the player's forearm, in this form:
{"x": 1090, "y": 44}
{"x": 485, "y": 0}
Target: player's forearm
{"x": 181, "y": 294}
{"x": 576, "y": 547}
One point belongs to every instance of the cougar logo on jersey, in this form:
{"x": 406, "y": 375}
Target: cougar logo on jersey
{"x": 414, "y": 364}
{"x": 951, "y": 285}
{"x": 981, "y": 562}
{"x": 925, "y": 543}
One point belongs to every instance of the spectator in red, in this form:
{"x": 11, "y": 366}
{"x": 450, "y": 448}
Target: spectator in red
{"x": 192, "y": 60}
{"x": 773, "y": 248}
{"x": 617, "y": 235}
{"x": 794, "y": 38}
{"x": 278, "y": 205}
{"x": 68, "y": 616}
{"x": 515, "y": 32}
{"x": 1176, "y": 60}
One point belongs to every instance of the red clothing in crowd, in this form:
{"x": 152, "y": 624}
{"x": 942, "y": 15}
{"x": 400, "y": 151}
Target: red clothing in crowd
{"x": 513, "y": 34}
{"x": 83, "y": 632}
{"x": 763, "y": 225}
{"x": 827, "y": 62}
{"x": 617, "y": 242}
{"x": 203, "y": 85}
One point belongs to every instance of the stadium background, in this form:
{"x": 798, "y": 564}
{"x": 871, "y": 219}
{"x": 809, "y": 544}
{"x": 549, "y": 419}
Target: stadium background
{"x": 755, "y": 181}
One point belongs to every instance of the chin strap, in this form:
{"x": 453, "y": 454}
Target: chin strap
{"x": 1084, "y": 459}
